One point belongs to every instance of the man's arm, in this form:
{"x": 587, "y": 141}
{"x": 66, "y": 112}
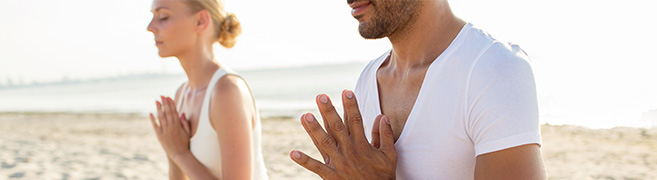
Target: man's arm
{"x": 521, "y": 162}
{"x": 503, "y": 115}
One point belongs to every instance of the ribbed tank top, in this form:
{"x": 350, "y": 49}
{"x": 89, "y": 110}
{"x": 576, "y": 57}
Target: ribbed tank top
{"x": 205, "y": 145}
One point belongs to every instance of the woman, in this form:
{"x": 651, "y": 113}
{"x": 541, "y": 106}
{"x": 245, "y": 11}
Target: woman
{"x": 212, "y": 129}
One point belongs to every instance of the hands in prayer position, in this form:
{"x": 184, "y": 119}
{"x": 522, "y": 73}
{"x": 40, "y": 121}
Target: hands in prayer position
{"x": 172, "y": 131}
{"x": 344, "y": 147}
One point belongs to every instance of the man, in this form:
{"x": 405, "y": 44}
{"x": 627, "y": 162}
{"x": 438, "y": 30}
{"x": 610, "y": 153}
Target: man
{"x": 455, "y": 103}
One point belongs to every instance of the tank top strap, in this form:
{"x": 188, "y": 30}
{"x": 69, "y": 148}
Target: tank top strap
{"x": 221, "y": 72}
{"x": 205, "y": 109}
{"x": 183, "y": 91}
{"x": 226, "y": 71}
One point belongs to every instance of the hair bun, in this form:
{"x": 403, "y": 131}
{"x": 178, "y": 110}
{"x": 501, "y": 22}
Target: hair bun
{"x": 229, "y": 30}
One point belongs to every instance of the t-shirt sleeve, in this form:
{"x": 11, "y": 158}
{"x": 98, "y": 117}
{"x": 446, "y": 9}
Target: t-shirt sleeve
{"x": 501, "y": 101}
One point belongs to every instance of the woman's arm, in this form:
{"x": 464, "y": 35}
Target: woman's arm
{"x": 191, "y": 167}
{"x": 174, "y": 171}
{"x": 174, "y": 134}
{"x": 175, "y": 142}
{"x": 232, "y": 115}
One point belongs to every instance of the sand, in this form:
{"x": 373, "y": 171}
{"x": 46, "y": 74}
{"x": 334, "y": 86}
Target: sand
{"x": 123, "y": 146}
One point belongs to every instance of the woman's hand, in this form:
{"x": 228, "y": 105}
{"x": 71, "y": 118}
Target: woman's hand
{"x": 173, "y": 131}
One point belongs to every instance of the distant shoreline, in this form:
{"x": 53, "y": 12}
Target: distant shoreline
{"x": 64, "y": 80}
{"x": 108, "y": 114}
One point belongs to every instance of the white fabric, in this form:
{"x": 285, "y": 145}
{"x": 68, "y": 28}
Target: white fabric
{"x": 205, "y": 145}
{"x": 477, "y": 97}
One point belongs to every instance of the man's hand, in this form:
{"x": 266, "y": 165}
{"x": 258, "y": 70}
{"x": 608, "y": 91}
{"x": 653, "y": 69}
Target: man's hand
{"x": 344, "y": 147}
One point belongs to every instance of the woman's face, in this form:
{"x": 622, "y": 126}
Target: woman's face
{"x": 173, "y": 26}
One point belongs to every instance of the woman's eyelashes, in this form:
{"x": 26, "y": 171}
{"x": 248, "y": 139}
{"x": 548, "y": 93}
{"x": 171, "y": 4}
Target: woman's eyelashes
{"x": 159, "y": 16}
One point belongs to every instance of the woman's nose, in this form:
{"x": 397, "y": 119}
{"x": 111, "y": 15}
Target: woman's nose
{"x": 150, "y": 27}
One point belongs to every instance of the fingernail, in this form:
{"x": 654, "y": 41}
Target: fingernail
{"x": 385, "y": 119}
{"x": 157, "y": 103}
{"x": 309, "y": 118}
{"x": 350, "y": 94}
{"x": 323, "y": 99}
{"x": 296, "y": 155}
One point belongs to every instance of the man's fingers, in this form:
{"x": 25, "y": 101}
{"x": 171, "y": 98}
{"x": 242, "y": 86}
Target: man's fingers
{"x": 345, "y": 114}
{"x": 311, "y": 164}
{"x": 327, "y": 126}
{"x": 376, "y": 140}
{"x": 387, "y": 138}
{"x": 322, "y": 140}
{"x": 335, "y": 125}
{"x": 316, "y": 142}
{"x": 324, "y": 143}
{"x": 353, "y": 118}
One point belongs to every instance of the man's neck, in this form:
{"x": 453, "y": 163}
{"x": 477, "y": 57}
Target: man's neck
{"x": 418, "y": 45}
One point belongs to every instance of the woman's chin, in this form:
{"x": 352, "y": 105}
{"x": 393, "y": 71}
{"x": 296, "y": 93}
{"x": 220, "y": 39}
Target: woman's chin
{"x": 164, "y": 54}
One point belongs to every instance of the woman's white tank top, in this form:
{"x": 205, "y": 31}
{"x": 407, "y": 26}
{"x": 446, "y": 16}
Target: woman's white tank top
{"x": 205, "y": 145}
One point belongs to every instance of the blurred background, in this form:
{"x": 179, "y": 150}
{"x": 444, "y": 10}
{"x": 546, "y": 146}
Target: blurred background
{"x": 593, "y": 60}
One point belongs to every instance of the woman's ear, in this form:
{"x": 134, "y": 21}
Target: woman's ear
{"x": 202, "y": 20}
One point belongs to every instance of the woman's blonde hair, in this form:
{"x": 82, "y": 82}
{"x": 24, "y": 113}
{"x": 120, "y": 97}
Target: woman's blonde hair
{"x": 226, "y": 24}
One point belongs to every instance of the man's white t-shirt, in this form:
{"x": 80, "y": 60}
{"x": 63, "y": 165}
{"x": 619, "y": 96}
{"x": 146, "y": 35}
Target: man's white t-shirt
{"x": 477, "y": 97}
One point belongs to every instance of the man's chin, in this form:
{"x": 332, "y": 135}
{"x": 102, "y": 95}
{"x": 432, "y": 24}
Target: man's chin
{"x": 368, "y": 33}
{"x": 367, "y": 36}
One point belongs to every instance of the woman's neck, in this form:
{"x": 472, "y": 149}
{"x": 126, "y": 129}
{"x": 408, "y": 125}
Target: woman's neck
{"x": 199, "y": 67}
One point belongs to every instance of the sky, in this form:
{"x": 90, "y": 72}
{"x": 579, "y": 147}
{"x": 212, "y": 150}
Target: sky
{"x": 46, "y": 40}
{"x": 592, "y": 56}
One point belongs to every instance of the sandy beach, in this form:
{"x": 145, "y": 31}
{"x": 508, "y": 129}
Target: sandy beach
{"x": 123, "y": 146}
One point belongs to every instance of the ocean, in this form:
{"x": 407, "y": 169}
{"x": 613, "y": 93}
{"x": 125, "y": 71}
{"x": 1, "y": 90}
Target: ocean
{"x": 281, "y": 92}
{"x": 285, "y": 92}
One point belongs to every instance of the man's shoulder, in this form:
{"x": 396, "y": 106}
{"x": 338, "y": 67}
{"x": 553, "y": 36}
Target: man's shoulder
{"x": 501, "y": 61}
{"x": 497, "y": 49}
{"x": 480, "y": 47}
{"x": 374, "y": 64}
{"x": 502, "y": 57}
{"x": 368, "y": 74}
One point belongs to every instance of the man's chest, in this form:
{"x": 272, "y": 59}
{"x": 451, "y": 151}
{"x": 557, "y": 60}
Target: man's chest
{"x": 397, "y": 99}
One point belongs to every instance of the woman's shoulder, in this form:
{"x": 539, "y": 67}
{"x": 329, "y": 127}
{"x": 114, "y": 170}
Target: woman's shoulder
{"x": 231, "y": 105}
{"x": 228, "y": 87}
{"x": 231, "y": 97}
